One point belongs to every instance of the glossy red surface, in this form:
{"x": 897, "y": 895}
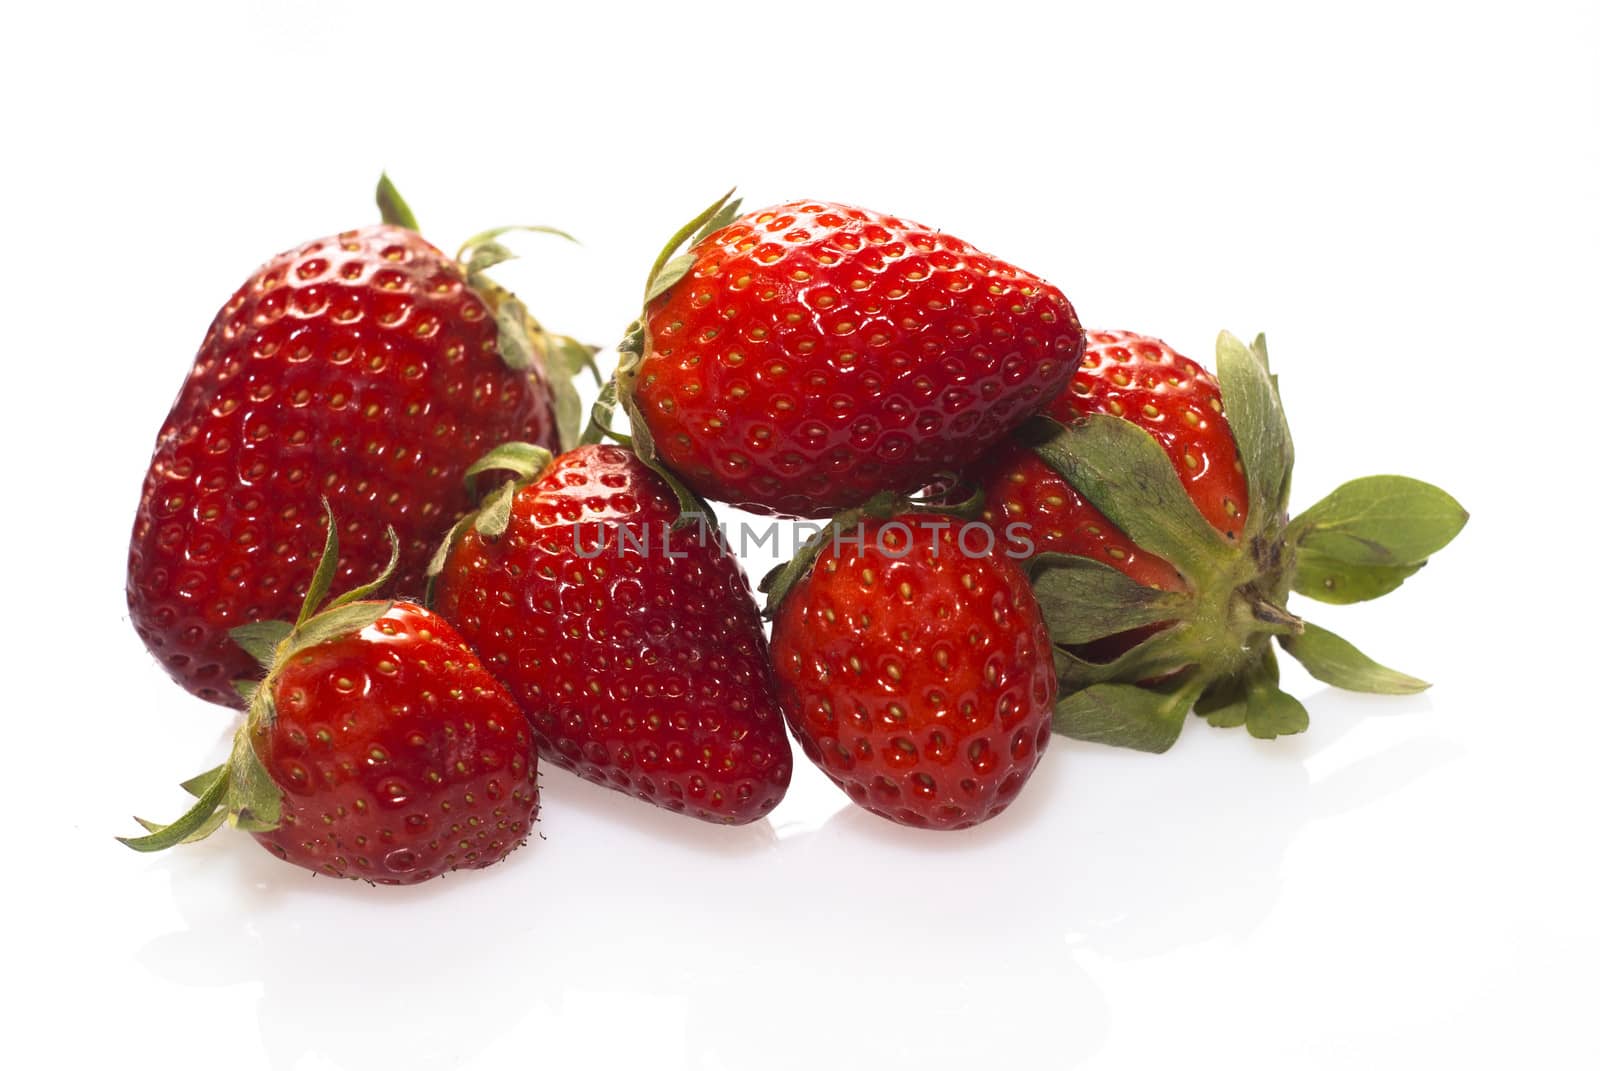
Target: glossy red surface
{"x": 818, "y": 353}
{"x": 400, "y": 758}
{"x": 918, "y": 677}
{"x": 1145, "y": 381}
{"x": 359, "y": 367}
{"x": 640, "y": 661}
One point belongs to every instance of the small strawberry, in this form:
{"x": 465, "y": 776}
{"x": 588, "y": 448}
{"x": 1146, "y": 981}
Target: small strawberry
{"x": 377, "y": 747}
{"x": 799, "y": 359}
{"x": 914, "y": 666}
{"x": 1157, "y": 508}
{"x": 367, "y": 367}
{"x": 631, "y": 640}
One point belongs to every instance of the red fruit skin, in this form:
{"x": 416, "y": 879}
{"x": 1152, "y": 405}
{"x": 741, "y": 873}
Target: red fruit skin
{"x": 643, "y": 672}
{"x": 922, "y": 682}
{"x": 400, "y": 758}
{"x": 817, "y": 354}
{"x": 1146, "y": 382}
{"x": 360, "y": 367}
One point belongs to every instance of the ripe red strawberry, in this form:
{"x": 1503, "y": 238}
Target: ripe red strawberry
{"x": 1157, "y": 509}
{"x": 1145, "y": 382}
{"x": 378, "y": 747}
{"x": 915, "y": 669}
{"x": 636, "y": 650}
{"x": 367, "y": 367}
{"x": 803, "y": 357}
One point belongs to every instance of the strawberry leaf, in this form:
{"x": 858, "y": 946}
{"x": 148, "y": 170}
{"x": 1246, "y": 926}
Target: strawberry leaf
{"x": 1329, "y": 580}
{"x": 724, "y": 207}
{"x": 436, "y": 563}
{"x": 495, "y": 513}
{"x": 470, "y": 247}
{"x": 322, "y": 579}
{"x": 484, "y": 256}
{"x": 565, "y": 359}
{"x": 335, "y": 622}
{"x": 255, "y": 803}
{"x": 1084, "y": 600}
{"x": 1380, "y": 520}
{"x": 197, "y": 785}
{"x": 525, "y": 461}
{"x": 1271, "y": 712}
{"x": 392, "y": 207}
{"x": 1250, "y": 401}
{"x": 1123, "y": 715}
{"x": 260, "y": 639}
{"x": 196, "y": 818}
{"x": 1336, "y": 661}
{"x": 669, "y": 275}
{"x": 1124, "y": 472}
{"x": 1223, "y": 703}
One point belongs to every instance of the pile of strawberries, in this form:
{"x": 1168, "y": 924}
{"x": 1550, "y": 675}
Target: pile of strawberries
{"x": 1030, "y": 528}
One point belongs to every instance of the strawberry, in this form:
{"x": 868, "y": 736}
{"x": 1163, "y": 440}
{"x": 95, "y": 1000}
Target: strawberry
{"x": 377, "y": 746}
{"x": 1153, "y": 500}
{"x": 367, "y": 367}
{"x": 913, "y": 666}
{"x": 630, "y": 639}
{"x": 798, "y": 359}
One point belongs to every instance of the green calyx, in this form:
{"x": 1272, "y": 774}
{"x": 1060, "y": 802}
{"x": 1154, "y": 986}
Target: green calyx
{"x": 525, "y": 346}
{"x": 240, "y": 792}
{"x": 673, "y": 262}
{"x": 524, "y": 463}
{"x": 1209, "y": 647}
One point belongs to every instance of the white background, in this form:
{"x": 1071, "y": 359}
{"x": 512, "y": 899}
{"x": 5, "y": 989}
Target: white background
{"x": 1403, "y": 196}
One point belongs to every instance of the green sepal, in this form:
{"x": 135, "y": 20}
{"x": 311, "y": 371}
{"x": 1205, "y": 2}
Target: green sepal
{"x": 566, "y": 358}
{"x": 254, "y": 802}
{"x": 1123, "y": 715}
{"x": 520, "y": 340}
{"x": 483, "y": 257}
{"x": 1270, "y": 712}
{"x": 1254, "y": 412}
{"x": 1329, "y": 580}
{"x": 601, "y": 414}
{"x": 361, "y": 591}
{"x": 1334, "y": 660}
{"x": 392, "y": 207}
{"x": 470, "y": 248}
{"x": 161, "y": 837}
{"x": 197, "y": 785}
{"x": 327, "y": 565}
{"x": 525, "y": 461}
{"x": 669, "y": 275}
{"x": 1380, "y": 520}
{"x": 495, "y": 513}
{"x": 713, "y": 217}
{"x": 335, "y": 622}
{"x": 260, "y": 639}
{"x": 1159, "y": 655}
{"x": 442, "y": 554}
{"x": 1084, "y": 600}
{"x": 1224, "y": 702}
{"x": 245, "y": 689}
{"x": 1126, "y": 475}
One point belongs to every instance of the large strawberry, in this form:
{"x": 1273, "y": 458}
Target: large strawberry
{"x": 630, "y": 638}
{"x": 798, "y": 359}
{"x": 367, "y": 367}
{"x": 377, "y": 747}
{"x": 1155, "y": 506}
{"x": 913, "y": 665}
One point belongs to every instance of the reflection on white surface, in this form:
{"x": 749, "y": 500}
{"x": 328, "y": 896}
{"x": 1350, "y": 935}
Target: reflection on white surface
{"x": 688, "y": 945}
